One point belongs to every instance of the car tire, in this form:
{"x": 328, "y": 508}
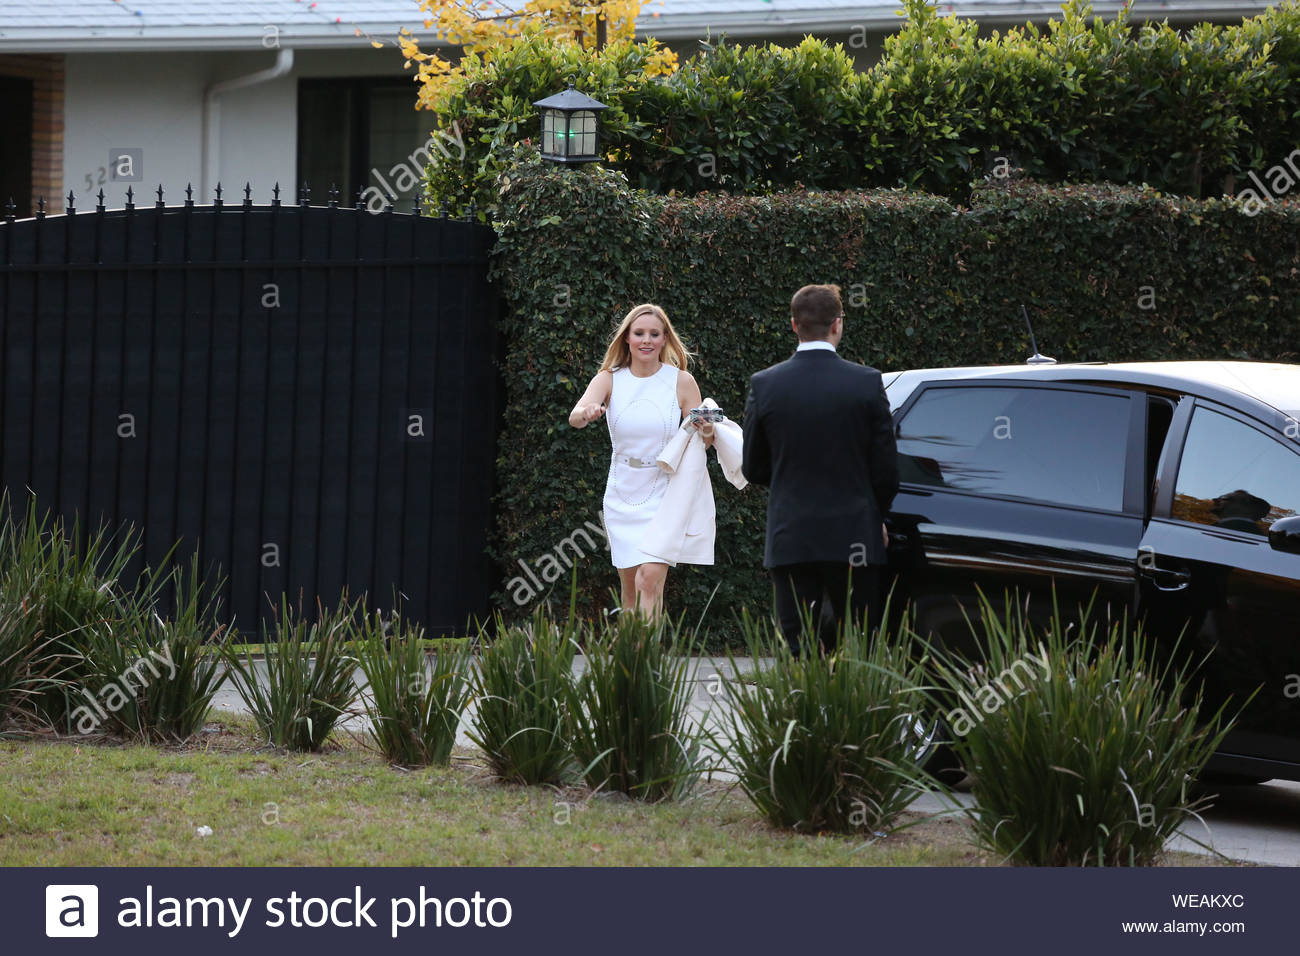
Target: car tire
{"x": 944, "y": 766}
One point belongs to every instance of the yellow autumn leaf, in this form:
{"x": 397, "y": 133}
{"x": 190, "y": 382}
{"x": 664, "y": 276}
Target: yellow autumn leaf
{"x": 482, "y": 27}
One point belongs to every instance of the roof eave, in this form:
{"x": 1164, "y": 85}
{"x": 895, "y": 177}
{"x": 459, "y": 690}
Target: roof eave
{"x": 698, "y": 25}
{"x": 685, "y": 26}
{"x": 176, "y": 39}
{"x": 770, "y": 23}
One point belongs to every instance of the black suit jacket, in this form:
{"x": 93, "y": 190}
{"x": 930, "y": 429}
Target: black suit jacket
{"x": 819, "y": 433}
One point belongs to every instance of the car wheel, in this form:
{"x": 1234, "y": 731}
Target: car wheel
{"x": 944, "y": 766}
{"x": 932, "y": 754}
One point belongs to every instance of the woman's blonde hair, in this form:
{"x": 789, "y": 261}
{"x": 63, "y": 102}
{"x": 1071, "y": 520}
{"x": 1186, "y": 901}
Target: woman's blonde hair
{"x": 618, "y": 355}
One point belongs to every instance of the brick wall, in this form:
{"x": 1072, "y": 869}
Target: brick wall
{"x": 45, "y": 70}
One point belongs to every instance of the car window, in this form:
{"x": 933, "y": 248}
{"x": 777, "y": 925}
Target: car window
{"x": 1234, "y": 476}
{"x": 1049, "y": 444}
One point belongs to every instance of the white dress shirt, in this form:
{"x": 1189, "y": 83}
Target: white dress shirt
{"x": 815, "y": 344}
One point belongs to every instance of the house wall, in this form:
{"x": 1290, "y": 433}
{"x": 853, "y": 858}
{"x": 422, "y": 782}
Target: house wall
{"x": 153, "y": 102}
{"x": 45, "y": 70}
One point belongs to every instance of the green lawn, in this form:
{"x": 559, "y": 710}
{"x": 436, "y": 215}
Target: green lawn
{"x": 104, "y": 804}
{"x": 68, "y": 803}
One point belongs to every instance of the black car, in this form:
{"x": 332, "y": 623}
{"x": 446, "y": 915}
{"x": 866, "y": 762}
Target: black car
{"x": 1169, "y": 490}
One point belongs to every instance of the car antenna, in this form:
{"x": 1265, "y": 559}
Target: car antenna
{"x": 1037, "y": 358}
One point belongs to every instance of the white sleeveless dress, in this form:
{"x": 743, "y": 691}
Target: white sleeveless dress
{"x": 642, "y": 416}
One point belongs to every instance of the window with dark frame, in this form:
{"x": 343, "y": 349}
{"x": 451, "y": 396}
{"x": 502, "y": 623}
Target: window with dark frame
{"x": 1056, "y": 446}
{"x": 1234, "y": 476}
{"x": 364, "y": 135}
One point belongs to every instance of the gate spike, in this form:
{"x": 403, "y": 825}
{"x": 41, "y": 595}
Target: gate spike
{"x": 388, "y": 203}
{"x": 10, "y": 209}
{"x": 248, "y": 194}
{"x": 333, "y": 196}
{"x": 99, "y": 206}
{"x": 275, "y": 195}
{"x": 40, "y": 208}
{"x": 445, "y": 211}
{"x": 189, "y": 194}
{"x": 218, "y": 192}
{"x": 471, "y": 215}
{"x": 415, "y": 205}
{"x": 304, "y": 194}
{"x": 130, "y": 197}
{"x": 71, "y": 208}
{"x": 360, "y": 205}
{"x": 158, "y": 203}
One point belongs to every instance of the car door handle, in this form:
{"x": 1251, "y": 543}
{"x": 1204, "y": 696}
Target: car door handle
{"x": 1166, "y": 580}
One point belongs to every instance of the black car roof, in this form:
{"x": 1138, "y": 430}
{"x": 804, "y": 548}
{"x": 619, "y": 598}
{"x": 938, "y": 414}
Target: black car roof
{"x": 1274, "y": 385}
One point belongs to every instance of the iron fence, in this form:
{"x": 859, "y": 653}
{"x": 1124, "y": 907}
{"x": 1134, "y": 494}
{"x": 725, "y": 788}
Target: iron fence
{"x": 307, "y": 395}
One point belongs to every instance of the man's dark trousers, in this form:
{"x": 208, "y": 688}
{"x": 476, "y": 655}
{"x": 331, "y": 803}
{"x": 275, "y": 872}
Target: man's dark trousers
{"x": 824, "y": 591}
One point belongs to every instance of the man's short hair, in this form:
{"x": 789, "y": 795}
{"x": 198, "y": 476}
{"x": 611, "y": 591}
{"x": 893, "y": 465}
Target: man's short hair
{"x": 814, "y": 309}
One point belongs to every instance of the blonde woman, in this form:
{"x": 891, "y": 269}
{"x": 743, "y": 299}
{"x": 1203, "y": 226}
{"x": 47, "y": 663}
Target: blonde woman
{"x": 645, "y": 391}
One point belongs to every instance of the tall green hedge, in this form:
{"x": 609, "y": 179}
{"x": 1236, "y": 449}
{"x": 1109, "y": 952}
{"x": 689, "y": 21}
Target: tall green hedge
{"x": 1083, "y": 101}
{"x": 1107, "y": 273}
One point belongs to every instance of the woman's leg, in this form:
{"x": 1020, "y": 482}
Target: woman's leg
{"x": 650, "y": 580}
{"x": 627, "y": 587}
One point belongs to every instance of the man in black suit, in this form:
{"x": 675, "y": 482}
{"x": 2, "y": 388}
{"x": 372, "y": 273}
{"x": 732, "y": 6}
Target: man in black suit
{"x": 819, "y": 434}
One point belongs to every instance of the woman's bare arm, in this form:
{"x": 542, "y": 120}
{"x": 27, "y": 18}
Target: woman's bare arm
{"x": 688, "y": 397}
{"x": 688, "y": 393}
{"x": 592, "y": 404}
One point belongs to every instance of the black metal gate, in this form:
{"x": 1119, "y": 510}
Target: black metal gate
{"x": 305, "y": 394}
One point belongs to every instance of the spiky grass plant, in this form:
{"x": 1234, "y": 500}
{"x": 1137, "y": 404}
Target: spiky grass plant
{"x": 308, "y": 682}
{"x": 27, "y": 657}
{"x": 1082, "y": 747}
{"x": 160, "y": 673}
{"x": 521, "y": 691}
{"x": 66, "y": 597}
{"x": 829, "y": 742}
{"x": 414, "y": 704}
{"x": 27, "y": 662}
{"x": 628, "y": 714}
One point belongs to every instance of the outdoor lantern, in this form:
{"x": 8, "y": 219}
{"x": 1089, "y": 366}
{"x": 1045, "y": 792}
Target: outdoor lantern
{"x": 570, "y": 127}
